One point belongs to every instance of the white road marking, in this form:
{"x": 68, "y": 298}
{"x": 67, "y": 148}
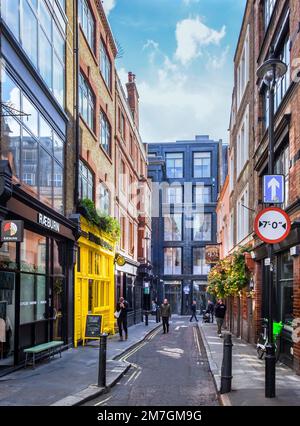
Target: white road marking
{"x": 101, "y": 402}
{"x": 197, "y": 340}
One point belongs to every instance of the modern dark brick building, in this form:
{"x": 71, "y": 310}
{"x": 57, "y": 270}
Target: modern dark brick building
{"x": 185, "y": 183}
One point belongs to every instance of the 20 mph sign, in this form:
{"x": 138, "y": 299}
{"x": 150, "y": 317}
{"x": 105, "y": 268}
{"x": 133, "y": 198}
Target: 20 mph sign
{"x": 272, "y": 225}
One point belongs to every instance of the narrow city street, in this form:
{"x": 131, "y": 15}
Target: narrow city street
{"x": 167, "y": 370}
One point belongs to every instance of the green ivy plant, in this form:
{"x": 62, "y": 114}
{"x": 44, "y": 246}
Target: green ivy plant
{"x": 229, "y": 276}
{"x": 104, "y": 222}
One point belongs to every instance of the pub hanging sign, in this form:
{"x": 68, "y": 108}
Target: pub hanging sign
{"x": 212, "y": 254}
{"x": 12, "y": 231}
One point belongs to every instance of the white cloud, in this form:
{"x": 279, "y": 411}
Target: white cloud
{"x": 188, "y": 2}
{"x": 151, "y": 44}
{"x": 192, "y": 35}
{"x": 108, "y": 5}
{"x": 217, "y": 62}
{"x": 178, "y": 105}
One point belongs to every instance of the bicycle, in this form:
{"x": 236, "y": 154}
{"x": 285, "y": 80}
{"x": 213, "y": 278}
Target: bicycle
{"x": 263, "y": 339}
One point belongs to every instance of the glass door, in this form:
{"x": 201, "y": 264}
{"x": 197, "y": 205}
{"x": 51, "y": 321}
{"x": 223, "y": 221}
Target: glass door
{"x": 173, "y": 293}
{"x": 7, "y": 318}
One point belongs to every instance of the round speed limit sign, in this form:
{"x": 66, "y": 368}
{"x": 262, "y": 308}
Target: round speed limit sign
{"x": 272, "y": 225}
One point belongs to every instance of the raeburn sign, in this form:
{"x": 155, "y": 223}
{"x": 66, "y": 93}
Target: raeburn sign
{"x": 12, "y": 231}
{"x": 47, "y": 222}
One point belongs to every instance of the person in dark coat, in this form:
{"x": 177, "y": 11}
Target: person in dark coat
{"x": 194, "y": 311}
{"x": 211, "y": 310}
{"x": 165, "y": 311}
{"x": 122, "y": 307}
{"x": 220, "y": 311}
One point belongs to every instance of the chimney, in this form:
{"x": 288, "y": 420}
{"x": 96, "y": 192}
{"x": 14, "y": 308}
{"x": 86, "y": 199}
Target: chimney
{"x": 133, "y": 98}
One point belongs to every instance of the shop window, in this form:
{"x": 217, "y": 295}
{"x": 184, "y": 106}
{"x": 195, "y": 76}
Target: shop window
{"x": 97, "y": 263}
{"x": 33, "y": 300}
{"x": 286, "y": 288}
{"x": 78, "y": 259}
{"x": 8, "y": 256}
{"x": 33, "y": 253}
{"x": 90, "y": 262}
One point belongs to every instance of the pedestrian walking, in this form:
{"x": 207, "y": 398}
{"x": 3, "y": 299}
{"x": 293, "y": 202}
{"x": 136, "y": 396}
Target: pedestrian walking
{"x": 220, "y": 311}
{"x": 194, "y": 311}
{"x": 122, "y": 307}
{"x": 155, "y": 310}
{"x": 211, "y": 310}
{"x": 165, "y": 311}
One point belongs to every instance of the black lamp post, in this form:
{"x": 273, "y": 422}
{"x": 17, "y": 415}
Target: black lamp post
{"x": 270, "y": 71}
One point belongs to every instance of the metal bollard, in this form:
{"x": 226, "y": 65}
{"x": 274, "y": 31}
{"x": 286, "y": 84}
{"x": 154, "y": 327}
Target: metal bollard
{"x": 102, "y": 361}
{"x": 226, "y": 374}
{"x": 146, "y": 317}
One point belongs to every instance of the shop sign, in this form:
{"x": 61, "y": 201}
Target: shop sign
{"x": 120, "y": 260}
{"x": 12, "y": 231}
{"x": 93, "y": 326}
{"x": 96, "y": 240}
{"x": 212, "y": 254}
{"x": 272, "y": 225}
{"x": 48, "y": 223}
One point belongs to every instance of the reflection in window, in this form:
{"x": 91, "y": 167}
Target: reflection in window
{"x": 202, "y": 194}
{"x": 86, "y": 102}
{"x": 33, "y": 252}
{"x": 105, "y": 133}
{"x": 105, "y": 65}
{"x": 87, "y": 23}
{"x": 174, "y": 164}
{"x": 172, "y": 261}
{"x": 28, "y": 136}
{"x": 202, "y": 227}
{"x": 104, "y": 199}
{"x": 174, "y": 195}
{"x": 173, "y": 227}
{"x": 202, "y": 164}
{"x": 40, "y": 28}
{"x": 86, "y": 182}
{"x": 200, "y": 266}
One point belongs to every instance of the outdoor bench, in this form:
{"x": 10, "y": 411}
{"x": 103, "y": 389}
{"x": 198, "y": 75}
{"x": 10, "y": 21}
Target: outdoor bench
{"x": 35, "y": 350}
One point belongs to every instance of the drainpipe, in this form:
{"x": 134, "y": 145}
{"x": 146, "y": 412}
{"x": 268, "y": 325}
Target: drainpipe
{"x": 76, "y": 102}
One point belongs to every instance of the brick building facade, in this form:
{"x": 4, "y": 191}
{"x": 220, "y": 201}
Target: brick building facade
{"x": 267, "y": 24}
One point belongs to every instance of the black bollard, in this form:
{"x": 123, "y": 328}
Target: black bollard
{"x": 226, "y": 374}
{"x": 146, "y": 317}
{"x": 102, "y": 361}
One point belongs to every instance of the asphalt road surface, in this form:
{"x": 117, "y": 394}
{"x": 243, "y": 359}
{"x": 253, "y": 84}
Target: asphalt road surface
{"x": 167, "y": 370}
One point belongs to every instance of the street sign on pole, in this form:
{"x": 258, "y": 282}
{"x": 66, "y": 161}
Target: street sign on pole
{"x": 273, "y": 189}
{"x": 272, "y": 225}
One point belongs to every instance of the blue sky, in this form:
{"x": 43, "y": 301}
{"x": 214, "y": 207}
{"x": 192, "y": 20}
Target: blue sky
{"x": 182, "y": 54}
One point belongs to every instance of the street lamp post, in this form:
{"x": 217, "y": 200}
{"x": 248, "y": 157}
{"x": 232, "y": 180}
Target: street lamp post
{"x": 270, "y": 71}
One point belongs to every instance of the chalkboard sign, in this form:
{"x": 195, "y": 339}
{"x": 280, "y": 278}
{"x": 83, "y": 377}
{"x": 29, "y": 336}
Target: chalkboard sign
{"x": 93, "y": 326}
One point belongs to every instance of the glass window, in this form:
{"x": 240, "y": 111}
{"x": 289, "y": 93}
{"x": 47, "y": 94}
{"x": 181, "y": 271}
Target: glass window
{"x": 45, "y": 177}
{"x": 200, "y": 266}
{"x": 45, "y": 58}
{"x": 29, "y": 33}
{"x": 87, "y": 22}
{"x": 174, "y": 164}
{"x": 86, "y": 102}
{"x": 58, "y": 259}
{"x": 282, "y": 167}
{"x": 105, "y": 65}
{"x": 46, "y": 135}
{"x": 10, "y": 13}
{"x": 86, "y": 182}
{"x": 33, "y": 301}
{"x": 173, "y": 227}
{"x": 104, "y": 199}
{"x": 26, "y": 136}
{"x": 268, "y": 10}
{"x": 202, "y": 164}
{"x": 105, "y": 133}
{"x": 286, "y": 288}
{"x": 40, "y": 38}
{"x": 172, "y": 261}
{"x": 174, "y": 195}
{"x": 202, "y": 194}
{"x": 202, "y": 227}
{"x": 8, "y": 256}
{"x": 33, "y": 253}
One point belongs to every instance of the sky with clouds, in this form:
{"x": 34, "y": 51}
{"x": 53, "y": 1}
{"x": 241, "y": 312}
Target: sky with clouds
{"x": 182, "y": 54}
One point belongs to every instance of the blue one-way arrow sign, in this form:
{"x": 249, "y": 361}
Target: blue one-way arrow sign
{"x": 273, "y": 189}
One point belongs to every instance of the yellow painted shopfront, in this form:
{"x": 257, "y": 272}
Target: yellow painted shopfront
{"x": 94, "y": 280}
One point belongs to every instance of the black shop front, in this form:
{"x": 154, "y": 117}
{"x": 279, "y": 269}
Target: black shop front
{"x": 36, "y": 277}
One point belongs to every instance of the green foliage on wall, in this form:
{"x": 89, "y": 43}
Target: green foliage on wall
{"x": 105, "y": 223}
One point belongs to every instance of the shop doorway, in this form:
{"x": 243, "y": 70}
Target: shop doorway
{"x": 200, "y": 295}
{"x": 173, "y": 292}
{"x": 7, "y": 319}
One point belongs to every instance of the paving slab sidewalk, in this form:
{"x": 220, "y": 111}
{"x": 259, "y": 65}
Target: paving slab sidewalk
{"x": 72, "y": 378}
{"x": 248, "y": 373}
